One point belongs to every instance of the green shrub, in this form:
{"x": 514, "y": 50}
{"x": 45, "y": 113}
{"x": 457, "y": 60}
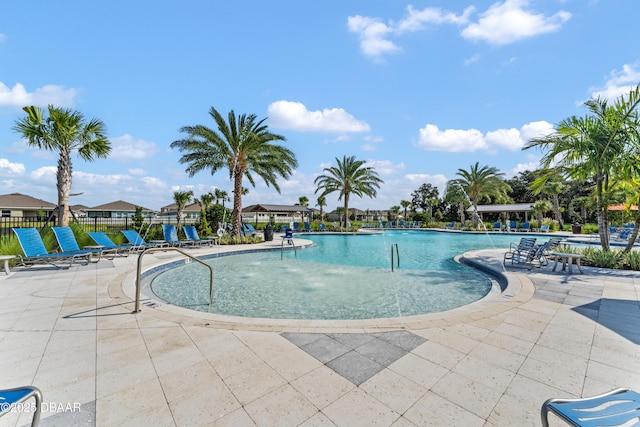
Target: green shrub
{"x": 631, "y": 260}
{"x": 603, "y": 259}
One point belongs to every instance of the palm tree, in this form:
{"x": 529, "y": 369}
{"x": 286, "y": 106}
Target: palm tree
{"x": 221, "y": 195}
{"x": 244, "y": 146}
{"x": 405, "y": 204}
{"x": 304, "y": 201}
{"x": 320, "y": 202}
{"x": 540, "y": 208}
{"x": 350, "y": 176}
{"x": 181, "y": 199}
{"x": 205, "y": 201}
{"x": 64, "y": 131}
{"x": 455, "y": 196}
{"x": 594, "y": 147}
{"x": 395, "y": 210}
{"x": 481, "y": 183}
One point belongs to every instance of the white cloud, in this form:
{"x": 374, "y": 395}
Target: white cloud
{"x": 470, "y": 140}
{"x": 384, "y": 167}
{"x": 472, "y": 60}
{"x": 620, "y": 82}
{"x": 136, "y": 171}
{"x": 510, "y": 21}
{"x": 126, "y": 148}
{"x": 522, "y": 167}
{"x": 417, "y": 18}
{"x": 368, "y": 147}
{"x": 17, "y": 96}
{"x": 503, "y": 23}
{"x": 46, "y": 174}
{"x": 8, "y": 168}
{"x": 294, "y": 115}
{"x": 373, "y": 35}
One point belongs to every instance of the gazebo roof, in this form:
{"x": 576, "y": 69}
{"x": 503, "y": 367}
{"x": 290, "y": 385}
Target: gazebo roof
{"x": 516, "y": 207}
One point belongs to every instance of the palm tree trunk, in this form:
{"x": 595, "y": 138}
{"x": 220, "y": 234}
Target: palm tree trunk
{"x": 346, "y": 209}
{"x": 633, "y": 236}
{"x": 603, "y": 227}
{"x": 237, "y": 202}
{"x": 64, "y": 188}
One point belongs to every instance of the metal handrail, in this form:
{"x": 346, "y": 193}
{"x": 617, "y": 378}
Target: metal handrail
{"x": 139, "y": 272}
{"x": 395, "y": 245}
{"x": 295, "y": 252}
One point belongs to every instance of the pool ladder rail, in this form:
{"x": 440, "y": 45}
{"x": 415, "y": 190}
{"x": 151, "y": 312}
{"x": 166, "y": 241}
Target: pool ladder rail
{"x": 164, "y": 249}
{"x": 395, "y": 246}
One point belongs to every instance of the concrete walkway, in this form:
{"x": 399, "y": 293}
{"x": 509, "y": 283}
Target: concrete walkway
{"x": 549, "y": 334}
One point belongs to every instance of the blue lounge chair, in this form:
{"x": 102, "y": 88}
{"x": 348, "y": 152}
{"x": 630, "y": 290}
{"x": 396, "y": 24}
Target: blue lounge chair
{"x": 101, "y": 239}
{"x": 544, "y": 228}
{"x": 13, "y": 397}
{"x": 192, "y": 234}
{"x": 513, "y": 225}
{"x": 35, "y": 252}
{"x": 307, "y": 227}
{"x": 497, "y": 226}
{"x": 171, "y": 236}
{"x": 451, "y": 225}
{"x": 322, "y": 227}
{"x": 248, "y": 230}
{"x": 525, "y": 226}
{"x": 138, "y": 242}
{"x": 69, "y": 245}
{"x": 615, "y": 408}
{"x": 288, "y": 235}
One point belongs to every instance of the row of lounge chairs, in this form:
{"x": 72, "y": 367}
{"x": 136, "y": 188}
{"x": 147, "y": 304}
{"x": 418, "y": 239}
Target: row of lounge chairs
{"x": 529, "y": 254}
{"x": 35, "y": 252}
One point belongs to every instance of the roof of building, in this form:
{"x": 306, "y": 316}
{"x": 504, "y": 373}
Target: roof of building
{"x": 119, "y": 205}
{"x": 275, "y": 208}
{"x": 193, "y": 207}
{"x": 516, "y": 207}
{"x": 22, "y": 201}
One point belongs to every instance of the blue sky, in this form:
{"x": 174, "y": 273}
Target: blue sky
{"x": 418, "y": 90}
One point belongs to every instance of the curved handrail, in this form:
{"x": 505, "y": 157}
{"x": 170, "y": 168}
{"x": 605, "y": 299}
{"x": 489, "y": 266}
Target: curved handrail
{"x": 394, "y": 245}
{"x": 139, "y": 272}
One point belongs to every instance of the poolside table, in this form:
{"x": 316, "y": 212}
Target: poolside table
{"x": 6, "y": 259}
{"x": 567, "y": 258}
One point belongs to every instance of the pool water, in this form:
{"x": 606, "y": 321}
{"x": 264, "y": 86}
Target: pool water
{"x": 341, "y": 277}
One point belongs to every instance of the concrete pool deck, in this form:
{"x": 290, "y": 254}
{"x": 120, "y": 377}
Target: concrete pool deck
{"x": 549, "y": 334}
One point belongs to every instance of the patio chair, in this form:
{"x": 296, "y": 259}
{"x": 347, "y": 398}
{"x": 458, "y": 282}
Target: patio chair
{"x": 544, "y": 228}
{"x": 322, "y": 227}
{"x": 614, "y": 408}
{"x": 542, "y": 252}
{"x": 513, "y": 225}
{"x": 248, "y": 230}
{"x": 101, "y": 239}
{"x": 288, "y": 235}
{"x": 170, "y": 234}
{"x": 69, "y": 245}
{"x": 525, "y": 226}
{"x": 35, "y": 252}
{"x": 307, "y": 227}
{"x": 192, "y": 234}
{"x": 522, "y": 252}
{"x": 12, "y": 398}
{"x": 138, "y": 242}
{"x": 497, "y": 226}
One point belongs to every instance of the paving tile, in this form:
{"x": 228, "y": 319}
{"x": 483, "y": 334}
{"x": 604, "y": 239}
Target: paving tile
{"x": 322, "y": 386}
{"x": 355, "y": 367}
{"x": 358, "y": 408}
{"x": 434, "y": 410}
{"x": 254, "y": 382}
{"x": 284, "y": 406}
{"x": 394, "y": 390}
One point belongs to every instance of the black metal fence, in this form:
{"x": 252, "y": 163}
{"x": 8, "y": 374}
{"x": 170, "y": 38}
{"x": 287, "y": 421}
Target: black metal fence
{"x": 109, "y": 225}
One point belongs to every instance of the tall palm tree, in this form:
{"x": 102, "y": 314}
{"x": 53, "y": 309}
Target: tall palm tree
{"x": 181, "y": 199}
{"x": 221, "y": 195}
{"x": 349, "y": 176}
{"x": 594, "y": 147}
{"x": 540, "y": 208}
{"x": 304, "y": 201}
{"x": 205, "y": 200}
{"x": 455, "y": 196}
{"x": 405, "y": 205}
{"x": 66, "y": 132}
{"x": 243, "y": 145}
{"x": 321, "y": 201}
{"x": 481, "y": 183}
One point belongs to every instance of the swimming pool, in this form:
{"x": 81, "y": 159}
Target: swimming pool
{"x": 341, "y": 277}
